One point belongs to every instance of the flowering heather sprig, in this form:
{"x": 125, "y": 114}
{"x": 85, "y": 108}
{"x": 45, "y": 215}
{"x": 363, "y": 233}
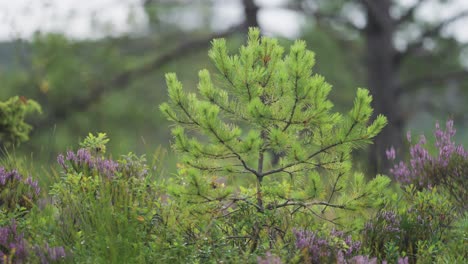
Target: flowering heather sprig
{"x": 320, "y": 249}
{"x": 133, "y": 166}
{"x": 384, "y": 228}
{"x": 269, "y": 259}
{"x": 386, "y": 221}
{"x": 360, "y": 259}
{"x": 391, "y": 221}
{"x": 448, "y": 168}
{"x": 368, "y": 260}
{"x": 14, "y": 248}
{"x": 12, "y": 245}
{"x": 49, "y": 254}
{"x": 83, "y": 160}
{"x": 13, "y": 180}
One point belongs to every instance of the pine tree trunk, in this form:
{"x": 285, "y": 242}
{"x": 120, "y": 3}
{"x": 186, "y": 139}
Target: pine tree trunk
{"x": 382, "y": 81}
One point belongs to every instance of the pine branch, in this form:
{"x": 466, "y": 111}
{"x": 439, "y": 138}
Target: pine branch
{"x": 296, "y": 100}
{"x": 323, "y": 150}
{"x": 214, "y": 169}
{"x": 272, "y": 206}
{"x": 238, "y": 156}
{"x": 334, "y": 190}
{"x": 122, "y": 80}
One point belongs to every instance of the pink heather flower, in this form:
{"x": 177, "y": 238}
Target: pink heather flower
{"x": 390, "y": 153}
{"x": 408, "y": 136}
{"x": 422, "y": 165}
{"x": 403, "y": 260}
{"x": 61, "y": 161}
{"x": 269, "y": 259}
{"x": 360, "y": 259}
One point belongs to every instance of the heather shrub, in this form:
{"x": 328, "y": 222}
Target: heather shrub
{"x": 14, "y": 248}
{"x": 447, "y": 169}
{"x": 335, "y": 247}
{"x": 105, "y": 207}
{"x": 420, "y": 220}
{"x": 18, "y": 194}
{"x": 411, "y": 224}
{"x": 12, "y": 245}
{"x": 19, "y": 199}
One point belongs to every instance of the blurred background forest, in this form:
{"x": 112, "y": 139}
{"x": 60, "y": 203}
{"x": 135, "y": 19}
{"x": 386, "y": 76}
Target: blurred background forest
{"x": 100, "y": 67}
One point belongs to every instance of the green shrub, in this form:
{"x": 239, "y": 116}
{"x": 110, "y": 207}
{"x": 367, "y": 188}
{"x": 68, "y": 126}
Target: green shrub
{"x": 105, "y": 208}
{"x": 13, "y": 128}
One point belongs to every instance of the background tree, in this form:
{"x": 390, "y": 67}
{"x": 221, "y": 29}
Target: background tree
{"x": 393, "y": 71}
{"x": 13, "y": 128}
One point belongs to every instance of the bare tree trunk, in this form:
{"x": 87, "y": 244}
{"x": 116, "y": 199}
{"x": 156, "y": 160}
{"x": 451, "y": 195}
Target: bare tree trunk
{"x": 382, "y": 81}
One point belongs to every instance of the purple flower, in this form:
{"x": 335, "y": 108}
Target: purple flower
{"x": 3, "y": 176}
{"x": 390, "y": 153}
{"x": 425, "y": 170}
{"x": 269, "y": 259}
{"x": 84, "y": 161}
{"x": 320, "y": 249}
{"x": 107, "y": 167}
{"x": 71, "y": 156}
{"x": 13, "y": 182}
{"x": 360, "y": 259}
{"x": 84, "y": 158}
{"x": 403, "y": 260}
{"x": 34, "y": 185}
{"x": 49, "y": 254}
{"x": 11, "y": 240}
{"x": 408, "y": 136}
{"x": 61, "y": 161}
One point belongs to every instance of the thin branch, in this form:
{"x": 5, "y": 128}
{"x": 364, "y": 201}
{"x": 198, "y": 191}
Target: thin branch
{"x": 214, "y": 169}
{"x": 321, "y": 17}
{"x": 282, "y": 169}
{"x": 272, "y": 206}
{"x": 296, "y": 101}
{"x": 244, "y": 164}
{"x": 409, "y": 13}
{"x": 245, "y": 200}
{"x": 227, "y": 109}
{"x": 433, "y": 79}
{"x": 122, "y": 80}
{"x": 413, "y": 47}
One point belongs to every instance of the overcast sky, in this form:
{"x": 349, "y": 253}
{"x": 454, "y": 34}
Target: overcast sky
{"x": 97, "y": 18}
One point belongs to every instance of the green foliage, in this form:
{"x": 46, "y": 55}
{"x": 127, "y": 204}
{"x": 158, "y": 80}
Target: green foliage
{"x": 416, "y": 224}
{"x": 105, "y": 208}
{"x": 266, "y": 106}
{"x": 95, "y": 143}
{"x": 13, "y": 128}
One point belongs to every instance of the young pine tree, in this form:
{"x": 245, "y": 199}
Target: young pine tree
{"x": 265, "y": 105}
